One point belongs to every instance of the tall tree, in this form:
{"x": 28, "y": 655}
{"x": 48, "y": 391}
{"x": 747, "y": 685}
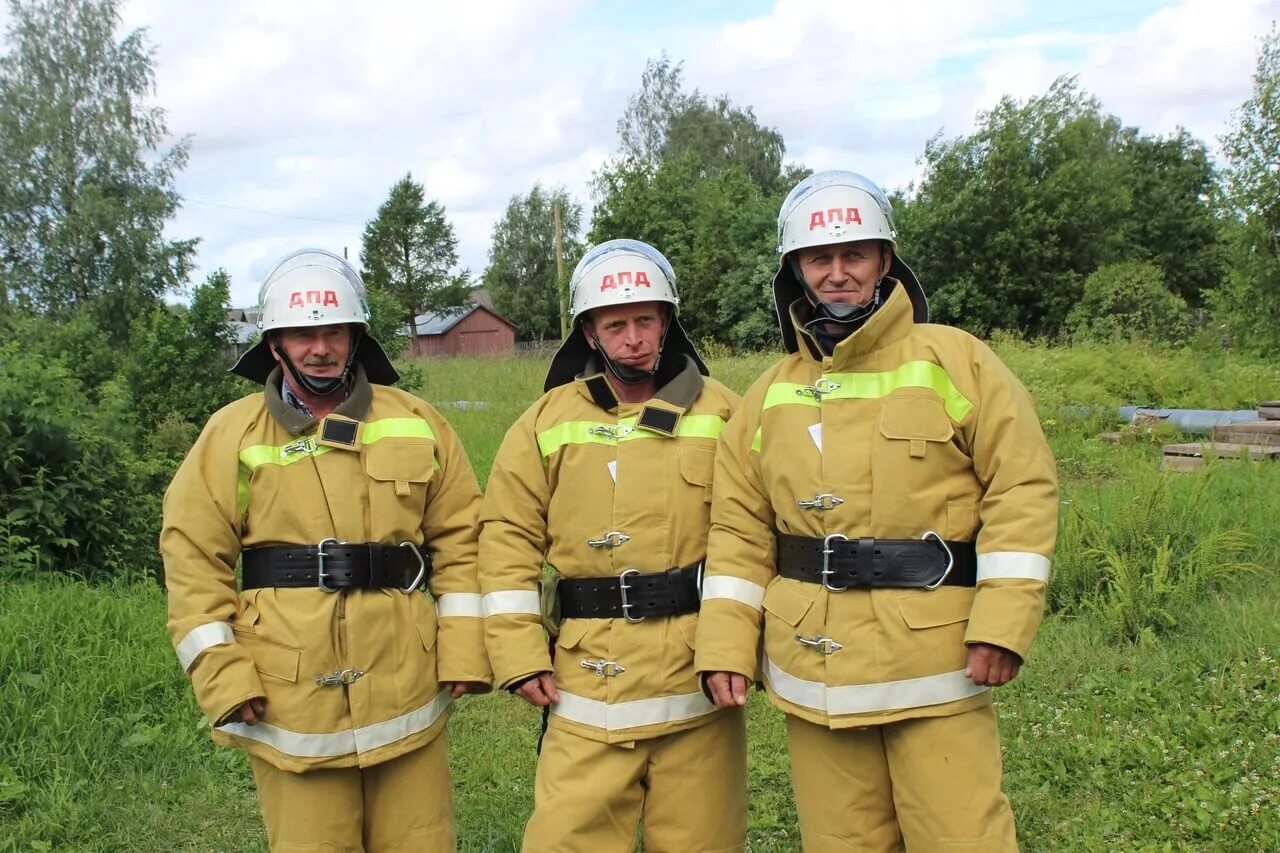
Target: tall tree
{"x": 701, "y": 180}
{"x": 1173, "y": 220}
{"x": 642, "y": 130}
{"x": 1248, "y": 303}
{"x": 521, "y": 276}
{"x": 410, "y": 251}
{"x": 85, "y": 189}
{"x": 1010, "y": 220}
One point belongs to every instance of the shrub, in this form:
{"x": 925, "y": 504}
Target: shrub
{"x": 76, "y": 498}
{"x": 1129, "y": 301}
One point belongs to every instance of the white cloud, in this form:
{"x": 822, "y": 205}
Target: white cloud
{"x": 311, "y": 109}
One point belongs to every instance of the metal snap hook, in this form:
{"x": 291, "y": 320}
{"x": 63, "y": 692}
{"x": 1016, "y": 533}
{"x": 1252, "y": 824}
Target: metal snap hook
{"x": 612, "y": 539}
{"x": 820, "y": 644}
{"x": 821, "y": 503}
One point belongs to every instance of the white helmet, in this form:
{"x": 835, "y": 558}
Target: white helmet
{"x": 618, "y": 272}
{"x": 834, "y": 207}
{"x": 828, "y": 208}
{"x": 311, "y": 287}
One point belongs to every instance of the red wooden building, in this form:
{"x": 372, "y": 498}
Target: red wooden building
{"x": 468, "y": 330}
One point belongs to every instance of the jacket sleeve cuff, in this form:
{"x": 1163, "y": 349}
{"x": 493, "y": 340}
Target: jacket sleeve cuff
{"x": 224, "y": 679}
{"x": 1007, "y": 614}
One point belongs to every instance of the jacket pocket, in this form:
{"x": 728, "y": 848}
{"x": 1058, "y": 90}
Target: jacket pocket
{"x": 943, "y": 606}
{"x": 399, "y": 471}
{"x": 697, "y": 466}
{"x": 571, "y": 633}
{"x": 787, "y": 602}
{"x": 271, "y": 659}
{"x": 917, "y": 419}
{"x": 427, "y": 632}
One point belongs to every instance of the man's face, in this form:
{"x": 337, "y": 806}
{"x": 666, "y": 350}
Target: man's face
{"x": 319, "y": 351}
{"x": 844, "y": 272}
{"x": 629, "y": 334}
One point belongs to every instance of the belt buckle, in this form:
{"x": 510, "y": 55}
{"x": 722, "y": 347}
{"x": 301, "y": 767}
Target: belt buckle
{"x": 623, "y": 586}
{"x": 951, "y": 558}
{"x": 422, "y": 569}
{"x": 321, "y": 574}
{"x": 827, "y": 551}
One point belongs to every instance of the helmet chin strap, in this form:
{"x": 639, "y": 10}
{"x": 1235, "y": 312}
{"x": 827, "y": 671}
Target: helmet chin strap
{"x": 320, "y": 386}
{"x": 850, "y": 317}
{"x": 630, "y": 375}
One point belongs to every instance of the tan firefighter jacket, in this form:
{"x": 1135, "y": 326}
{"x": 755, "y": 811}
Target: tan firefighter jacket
{"x": 908, "y": 428}
{"x": 257, "y": 476}
{"x": 593, "y": 488}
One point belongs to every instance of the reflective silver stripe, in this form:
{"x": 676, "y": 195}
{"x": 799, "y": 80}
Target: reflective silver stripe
{"x": 202, "y": 637}
{"x": 737, "y": 589}
{"x": 869, "y": 698}
{"x": 1013, "y": 564}
{"x": 459, "y": 604}
{"x": 629, "y": 715}
{"x": 511, "y": 601}
{"x": 363, "y": 739}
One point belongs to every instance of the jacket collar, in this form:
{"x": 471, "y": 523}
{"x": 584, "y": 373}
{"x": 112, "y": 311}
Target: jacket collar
{"x": 892, "y": 322}
{"x": 662, "y": 413}
{"x": 356, "y": 406}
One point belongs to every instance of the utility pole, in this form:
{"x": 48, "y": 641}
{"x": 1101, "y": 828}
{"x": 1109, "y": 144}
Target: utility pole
{"x": 564, "y": 317}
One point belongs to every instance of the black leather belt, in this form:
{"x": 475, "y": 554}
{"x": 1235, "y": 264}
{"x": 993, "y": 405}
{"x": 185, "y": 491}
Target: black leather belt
{"x": 632, "y": 595}
{"x": 334, "y": 565}
{"x": 838, "y": 562}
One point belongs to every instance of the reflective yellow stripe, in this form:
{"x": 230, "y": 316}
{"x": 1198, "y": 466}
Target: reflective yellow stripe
{"x": 789, "y": 394}
{"x": 265, "y": 454}
{"x": 596, "y": 432}
{"x": 375, "y": 431}
{"x": 870, "y": 386}
{"x": 755, "y": 440}
{"x": 305, "y": 447}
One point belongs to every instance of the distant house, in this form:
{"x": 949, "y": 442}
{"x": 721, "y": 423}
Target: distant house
{"x": 243, "y": 323}
{"x": 467, "y": 330}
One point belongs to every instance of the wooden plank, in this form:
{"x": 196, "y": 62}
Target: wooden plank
{"x": 1181, "y": 463}
{"x": 1222, "y": 450}
{"x": 1270, "y": 410}
{"x": 1236, "y": 434}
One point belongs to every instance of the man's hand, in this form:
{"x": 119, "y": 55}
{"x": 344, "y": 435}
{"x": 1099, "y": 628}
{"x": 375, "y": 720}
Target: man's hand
{"x": 991, "y": 665}
{"x": 539, "y": 691}
{"x": 249, "y": 713}
{"x": 457, "y": 688}
{"x": 727, "y": 689}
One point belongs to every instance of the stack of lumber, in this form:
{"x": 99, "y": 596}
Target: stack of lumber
{"x": 1257, "y": 441}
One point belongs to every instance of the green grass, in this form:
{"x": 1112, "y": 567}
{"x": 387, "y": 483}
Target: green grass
{"x": 1107, "y": 746}
{"x": 1167, "y": 743}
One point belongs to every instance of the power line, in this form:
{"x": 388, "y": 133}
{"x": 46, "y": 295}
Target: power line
{"x": 272, "y": 213}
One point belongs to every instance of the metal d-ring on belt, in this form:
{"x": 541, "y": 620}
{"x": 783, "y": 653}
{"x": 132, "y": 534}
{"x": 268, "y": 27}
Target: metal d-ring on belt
{"x": 840, "y": 562}
{"x": 332, "y": 565}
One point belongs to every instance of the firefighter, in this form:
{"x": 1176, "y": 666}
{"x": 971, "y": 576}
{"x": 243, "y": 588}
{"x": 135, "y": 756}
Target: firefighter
{"x": 345, "y": 500}
{"x": 885, "y": 513}
{"x": 607, "y": 480}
